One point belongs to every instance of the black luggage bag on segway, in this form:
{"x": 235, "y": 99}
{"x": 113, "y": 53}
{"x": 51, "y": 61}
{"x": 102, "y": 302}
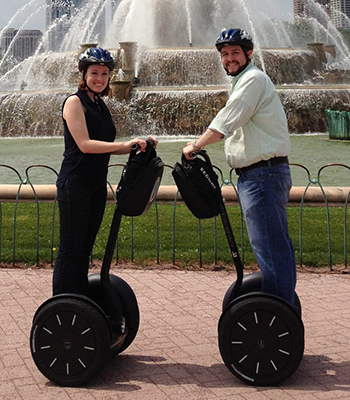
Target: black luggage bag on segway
{"x": 261, "y": 337}
{"x": 73, "y": 335}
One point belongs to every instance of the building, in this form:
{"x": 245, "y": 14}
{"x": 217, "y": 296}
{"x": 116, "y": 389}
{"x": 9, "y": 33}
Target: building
{"x": 6, "y": 39}
{"x": 337, "y": 10}
{"x": 60, "y": 14}
{"x": 56, "y": 9}
{"x": 298, "y": 7}
{"x": 340, "y": 13}
{"x": 22, "y": 43}
{"x": 308, "y": 9}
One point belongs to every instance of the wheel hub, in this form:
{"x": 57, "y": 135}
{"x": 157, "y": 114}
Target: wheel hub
{"x": 67, "y": 344}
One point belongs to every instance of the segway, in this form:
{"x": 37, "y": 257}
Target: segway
{"x": 261, "y": 336}
{"x": 73, "y": 335}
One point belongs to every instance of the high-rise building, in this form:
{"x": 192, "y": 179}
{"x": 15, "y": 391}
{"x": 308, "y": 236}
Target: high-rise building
{"x": 306, "y": 8}
{"x": 55, "y": 9}
{"x": 338, "y": 10}
{"x": 61, "y": 13}
{"x": 58, "y": 12}
{"x": 22, "y": 43}
{"x": 6, "y": 38}
{"x": 298, "y": 7}
{"x": 340, "y": 13}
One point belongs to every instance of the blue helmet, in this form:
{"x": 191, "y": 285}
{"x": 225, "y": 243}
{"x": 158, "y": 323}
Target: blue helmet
{"x": 234, "y": 36}
{"x": 96, "y": 55}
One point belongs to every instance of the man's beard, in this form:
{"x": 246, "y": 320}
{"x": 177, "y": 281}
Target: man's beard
{"x": 240, "y": 69}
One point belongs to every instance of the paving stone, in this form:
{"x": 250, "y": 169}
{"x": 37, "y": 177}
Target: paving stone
{"x": 175, "y": 354}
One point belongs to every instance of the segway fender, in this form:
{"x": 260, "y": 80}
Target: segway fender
{"x": 67, "y": 296}
{"x": 250, "y": 283}
{"x": 261, "y": 295}
{"x": 127, "y": 302}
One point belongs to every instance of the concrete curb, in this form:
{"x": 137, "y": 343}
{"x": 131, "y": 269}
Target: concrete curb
{"x": 336, "y": 196}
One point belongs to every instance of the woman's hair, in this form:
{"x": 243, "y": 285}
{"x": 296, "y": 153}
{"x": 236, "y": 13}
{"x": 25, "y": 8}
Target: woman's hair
{"x": 82, "y": 86}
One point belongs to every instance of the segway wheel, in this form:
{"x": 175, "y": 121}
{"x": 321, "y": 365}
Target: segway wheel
{"x": 261, "y": 339}
{"x": 127, "y": 300}
{"x": 70, "y": 341}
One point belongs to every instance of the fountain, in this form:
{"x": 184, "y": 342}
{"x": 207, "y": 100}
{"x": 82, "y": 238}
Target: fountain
{"x": 168, "y": 46}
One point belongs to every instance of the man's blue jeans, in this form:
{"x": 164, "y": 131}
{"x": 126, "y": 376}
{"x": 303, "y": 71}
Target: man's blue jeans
{"x": 264, "y": 193}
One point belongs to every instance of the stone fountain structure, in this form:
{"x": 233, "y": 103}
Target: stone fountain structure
{"x": 180, "y": 83}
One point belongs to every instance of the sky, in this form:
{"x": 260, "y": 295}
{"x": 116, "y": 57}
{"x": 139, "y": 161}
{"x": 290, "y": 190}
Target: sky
{"x": 9, "y": 9}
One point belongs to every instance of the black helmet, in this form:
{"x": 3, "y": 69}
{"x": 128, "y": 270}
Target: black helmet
{"x": 234, "y": 36}
{"x": 96, "y": 55}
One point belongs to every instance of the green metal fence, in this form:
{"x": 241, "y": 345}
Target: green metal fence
{"x": 29, "y": 180}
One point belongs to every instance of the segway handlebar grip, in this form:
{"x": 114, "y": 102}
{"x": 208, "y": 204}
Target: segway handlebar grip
{"x": 136, "y": 146}
{"x": 151, "y": 142}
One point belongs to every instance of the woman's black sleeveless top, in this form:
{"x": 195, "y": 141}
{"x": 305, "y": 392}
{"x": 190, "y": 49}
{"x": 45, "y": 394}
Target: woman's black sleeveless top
{"x": 87, "y": 169}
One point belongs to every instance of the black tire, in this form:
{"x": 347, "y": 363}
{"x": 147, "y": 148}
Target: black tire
{"x": 261, "y": 339}
{"x": 251, "y": 283}
{"x": 70, "y": 341}
{"x": 127, "y": 300}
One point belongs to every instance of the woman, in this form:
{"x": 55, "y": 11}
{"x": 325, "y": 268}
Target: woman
{"x": 89, "y": 135}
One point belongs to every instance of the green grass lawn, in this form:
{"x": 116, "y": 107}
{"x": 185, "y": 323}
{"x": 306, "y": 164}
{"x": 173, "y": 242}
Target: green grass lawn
{"x": 175, "y": 226}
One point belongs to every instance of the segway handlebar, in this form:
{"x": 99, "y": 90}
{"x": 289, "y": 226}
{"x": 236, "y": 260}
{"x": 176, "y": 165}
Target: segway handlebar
{"x": 136, "y": 146}
{"x": 225, "y": 221}
{"x": 195, "y": 154}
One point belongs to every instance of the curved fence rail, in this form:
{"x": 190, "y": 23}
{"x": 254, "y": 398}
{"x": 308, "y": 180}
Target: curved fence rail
{"x": 318, "y": 183}
{"x": 52, "y": 243}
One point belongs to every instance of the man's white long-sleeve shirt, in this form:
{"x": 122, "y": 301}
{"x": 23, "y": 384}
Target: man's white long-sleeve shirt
{"x": 253, "y": 120}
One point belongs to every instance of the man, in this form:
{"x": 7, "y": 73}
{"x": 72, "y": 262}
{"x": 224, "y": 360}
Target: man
{"x": 254, "y": 126}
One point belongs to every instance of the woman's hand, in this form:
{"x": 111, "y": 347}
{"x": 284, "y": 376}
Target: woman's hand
{"x": 154, "y": 140}
{"x": 141, "y": 143}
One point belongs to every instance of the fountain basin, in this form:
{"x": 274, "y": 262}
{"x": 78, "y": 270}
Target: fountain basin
{"x": 164, "y": 110}
{"x": 181, "y": 90}
{"x": 189, "y": 111}
{"x": 202, "y": 66}
{"x": 190, "y": 66}
{"x": 305, "y": 105}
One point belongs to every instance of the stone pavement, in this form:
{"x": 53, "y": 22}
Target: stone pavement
{"x": 175, "y": 354}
